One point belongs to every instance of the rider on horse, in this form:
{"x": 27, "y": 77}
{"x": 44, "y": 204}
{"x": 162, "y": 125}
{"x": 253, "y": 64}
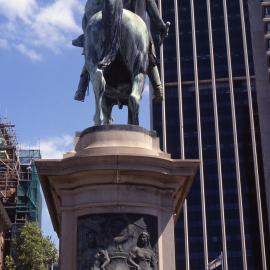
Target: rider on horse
{"x": 141, "y": 8}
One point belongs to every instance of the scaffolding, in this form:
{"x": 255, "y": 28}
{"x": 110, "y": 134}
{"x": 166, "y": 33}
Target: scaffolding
{"x": 19, "y": 183}
{"x": 9, "y": 168}
{"x": 29, "y": 203}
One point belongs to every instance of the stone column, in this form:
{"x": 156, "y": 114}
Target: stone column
{"x": 114, "y": 200}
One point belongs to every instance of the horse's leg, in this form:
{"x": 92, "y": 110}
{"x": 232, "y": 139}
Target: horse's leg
{"x": 106, "y": 110}
{"x": 134, "y": 99}
{"x": 99, "y": 85}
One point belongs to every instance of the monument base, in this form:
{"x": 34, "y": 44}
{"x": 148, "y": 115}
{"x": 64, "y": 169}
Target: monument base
{"x": 114, "y": 200}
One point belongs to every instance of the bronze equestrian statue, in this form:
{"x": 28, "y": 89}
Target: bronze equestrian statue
{"x": 119, "y": 51}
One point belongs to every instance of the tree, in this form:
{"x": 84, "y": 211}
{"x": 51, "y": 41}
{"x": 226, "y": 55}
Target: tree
{"x": 9, "y": 263}
{"x": 32, "y": 251}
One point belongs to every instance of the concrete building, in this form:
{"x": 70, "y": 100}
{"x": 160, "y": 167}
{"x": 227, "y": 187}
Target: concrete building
{"x": 214, "y": 66}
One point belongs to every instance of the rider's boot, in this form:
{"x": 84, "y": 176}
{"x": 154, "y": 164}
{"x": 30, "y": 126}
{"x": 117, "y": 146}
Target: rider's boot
{"x": 156, "y": 19}
{"x": 79, "y": 41}
{"x": 82, "y": 87}
{"x": 154, "y": 78}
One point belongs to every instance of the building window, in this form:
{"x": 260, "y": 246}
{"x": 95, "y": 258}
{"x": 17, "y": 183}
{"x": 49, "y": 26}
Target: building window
{"x": 267, "y": 11}
{"x": 267, "y": 27}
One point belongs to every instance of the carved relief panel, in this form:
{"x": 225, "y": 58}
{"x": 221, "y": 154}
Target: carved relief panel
{"x": 117, "y": 242}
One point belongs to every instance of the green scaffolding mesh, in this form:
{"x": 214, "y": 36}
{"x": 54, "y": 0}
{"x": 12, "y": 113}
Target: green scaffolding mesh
{"x": 29, "y": 203}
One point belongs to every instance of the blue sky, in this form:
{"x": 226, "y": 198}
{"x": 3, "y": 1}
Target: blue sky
{"x": 39, "y": 72}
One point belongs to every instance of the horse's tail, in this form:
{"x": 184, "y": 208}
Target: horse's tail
{"x": 112, "y": 20}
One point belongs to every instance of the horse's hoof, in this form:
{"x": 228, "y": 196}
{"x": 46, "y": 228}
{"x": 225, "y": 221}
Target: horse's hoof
{"x": 97, "y": 122}
{"x": 79, "y": 97}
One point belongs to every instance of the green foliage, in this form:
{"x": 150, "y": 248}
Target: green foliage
{"x": 33, "y": 251}
{"x": 9, "y": 263}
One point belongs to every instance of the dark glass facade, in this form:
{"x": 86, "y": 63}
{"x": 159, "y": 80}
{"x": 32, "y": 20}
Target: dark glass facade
{"x": 231, "y": 151}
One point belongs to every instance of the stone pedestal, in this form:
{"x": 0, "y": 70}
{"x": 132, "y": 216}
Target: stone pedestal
{"x": 115, "y": 199}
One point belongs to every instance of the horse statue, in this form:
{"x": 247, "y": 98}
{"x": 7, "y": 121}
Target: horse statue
{"x": 116, "y": 50}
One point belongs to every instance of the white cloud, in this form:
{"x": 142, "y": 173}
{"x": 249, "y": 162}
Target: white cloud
{"x": 30, "y": 53}
{"x": 52, "y": 148}
{"x": 55, "y": 147}
{"x": 60, "y": 15}
{"x": 52, "y": 25}
{"x": 22, "y": 9}
{"x": 55, "y": 24}
{"x": 3, "y": 44}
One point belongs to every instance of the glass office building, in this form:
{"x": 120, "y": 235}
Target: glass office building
{"x": 212, "y": 112}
